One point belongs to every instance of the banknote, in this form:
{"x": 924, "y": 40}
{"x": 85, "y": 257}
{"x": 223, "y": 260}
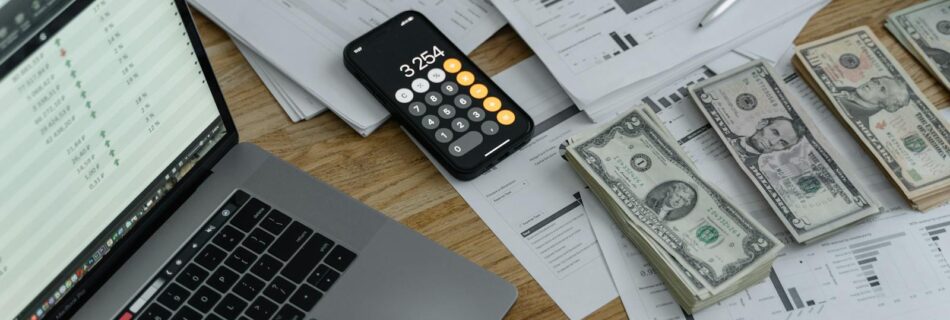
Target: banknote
{"x": 882, "y": 106}
{"x": 782, "y": 152}
{"x": 645, "y": 174}
{"x": 924, "y": 29}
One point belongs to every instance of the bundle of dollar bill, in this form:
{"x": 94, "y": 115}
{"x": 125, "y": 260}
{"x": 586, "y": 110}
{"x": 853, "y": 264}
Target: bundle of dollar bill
{"x": 873, "y": 96}
{"x": 779, "y": 148}
{"x": 702, "y": 246}
{"x": 924, "y": 29}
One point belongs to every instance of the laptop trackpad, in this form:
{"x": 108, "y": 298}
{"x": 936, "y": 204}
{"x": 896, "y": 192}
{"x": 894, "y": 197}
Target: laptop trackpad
{"x": 403, "y": 275}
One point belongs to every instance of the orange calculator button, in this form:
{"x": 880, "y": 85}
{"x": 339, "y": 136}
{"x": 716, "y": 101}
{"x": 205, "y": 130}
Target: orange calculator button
{"x": 506, "y": 117}
{"x": 452, "y": 65}
{"x": 478, "y": 91}
{"x": 491, "y": 104}
{"x": 465, "y": 78}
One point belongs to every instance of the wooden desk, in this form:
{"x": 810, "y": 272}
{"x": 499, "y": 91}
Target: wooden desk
{"x": 387, "y": 172}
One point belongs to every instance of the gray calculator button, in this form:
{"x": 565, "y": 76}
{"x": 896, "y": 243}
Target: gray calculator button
{"x": 446, "y": 111}
{"x": 490, "y": 128}
{"x": 476, "y": 114}
{"x": 417, "y": 108}
{"x": 433, "y": 98}
{"x": 449, "y": 88}
{"x": 459, "y": 125}
{"x": 465, "y": 144}
{"x": 430, "y": 122}
{"x": 443, "y": 135}
{"x": 463, "y": 101}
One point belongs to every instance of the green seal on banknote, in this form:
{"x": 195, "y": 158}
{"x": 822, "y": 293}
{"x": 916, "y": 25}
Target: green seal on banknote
{"x": 707, "y": 234}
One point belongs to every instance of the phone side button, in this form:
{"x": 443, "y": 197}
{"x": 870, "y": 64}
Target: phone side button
{"x": 465, "y": 144}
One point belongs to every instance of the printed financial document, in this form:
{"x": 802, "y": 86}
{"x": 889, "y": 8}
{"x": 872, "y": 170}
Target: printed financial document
{"x": 304, "y": 39}
{"x": 596, "y": 47}
{"x": 879, "y": 269}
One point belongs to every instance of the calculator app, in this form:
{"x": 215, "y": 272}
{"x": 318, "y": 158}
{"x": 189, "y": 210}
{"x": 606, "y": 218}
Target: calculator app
{"x": 435, "y": 88}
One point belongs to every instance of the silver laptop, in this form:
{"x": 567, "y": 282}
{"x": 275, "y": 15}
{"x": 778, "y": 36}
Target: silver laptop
{"x": 127, "y": 196}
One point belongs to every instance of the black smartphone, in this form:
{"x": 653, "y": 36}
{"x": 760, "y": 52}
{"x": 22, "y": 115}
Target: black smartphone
{"x": 442, "y": 99}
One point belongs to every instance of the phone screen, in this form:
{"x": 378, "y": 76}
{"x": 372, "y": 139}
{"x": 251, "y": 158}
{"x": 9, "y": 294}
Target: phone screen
{"x": 433, "y": 88}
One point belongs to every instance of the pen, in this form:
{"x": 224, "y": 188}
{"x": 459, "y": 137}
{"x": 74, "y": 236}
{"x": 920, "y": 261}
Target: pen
{"x": 716, "y": 11}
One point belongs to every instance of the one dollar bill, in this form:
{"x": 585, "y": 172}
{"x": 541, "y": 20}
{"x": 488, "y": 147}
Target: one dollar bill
{"x": 663, "y": 205}
{"x": 879, "y": 102}
{"x": 782, "y": 152}
{"x": 924, "y": 29}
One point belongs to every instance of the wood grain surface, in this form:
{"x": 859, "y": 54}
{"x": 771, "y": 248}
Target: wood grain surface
{"x": 387, "y": 172}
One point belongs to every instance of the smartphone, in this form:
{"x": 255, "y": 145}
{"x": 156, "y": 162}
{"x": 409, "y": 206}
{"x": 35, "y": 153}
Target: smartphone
{"x": 440, "y": 97}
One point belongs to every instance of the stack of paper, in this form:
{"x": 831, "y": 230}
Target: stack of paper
{"x": 300, "y": 45}
{"x": 607, "y": 53}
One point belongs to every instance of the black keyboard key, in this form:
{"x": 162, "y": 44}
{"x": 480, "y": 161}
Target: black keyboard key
{"x": 249, "y": 215}
{"x": 192, "y": 276}
{"x": 291, "y": 240}
{"x": 248, "y": 287}
{"x": 239, "y": 198}
{"x": 212, "y": 316}
{"x": 261, "y": 309}
{"x": 266, "y": 267}
{"x": 306, "y": 297}
{"x": 155, "y": 312}
{"x": 230, "y": 307}
{"x": 279, "y": 289}
{"x": 318, "y": 274}
{"x": 275, "y": 222}
{"x": 340, "y": 258}
{"x": 204, "y": 299}
{"x": 328, "y": 280}
{"x": 289, "y": 313}
{"x": 210, "y": 257}
{"x": 228, "y": 238}
{"x": 187, "y": 313}
{"x": 173, "y": 296}
{"x": 300, "y": 266}
{"x": 223, "y": 279}
{"x": 240, "y": 259}
{"x": 258, "y": 240}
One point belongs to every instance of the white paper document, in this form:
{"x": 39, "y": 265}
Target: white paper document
{"x": 890, "y": 267}
{"x": 304, "y": 40}
{"x": 595, "y": 47}
{"x": 594, "y": 35}
{"x": 298, "y": 104}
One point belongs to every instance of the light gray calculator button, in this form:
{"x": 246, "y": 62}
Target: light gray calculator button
{"x": 465, "y": 144}
{"x": 463, "y": 101}
{"x": 443, "y": 135}
{"x": 446, "y": 111}
{"x": 420, "y": 85}
{"x": 459, "y": 125}
{"x": 436, "y": 75}
{"x": 404, "y": 95}
{"x": 433, "y": 98}
{"x": 449, "y": 88}
{"x": 430, "y": 122}
{"x": 490, "y": 128}
{"x": 476, "y": 114}
{"x": 417, "y": 108}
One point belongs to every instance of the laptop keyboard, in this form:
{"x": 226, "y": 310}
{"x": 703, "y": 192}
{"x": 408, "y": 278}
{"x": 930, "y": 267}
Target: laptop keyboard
{"x": 249, "y": 261}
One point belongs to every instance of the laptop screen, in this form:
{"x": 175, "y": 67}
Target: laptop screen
{"x": 104, "y": 108}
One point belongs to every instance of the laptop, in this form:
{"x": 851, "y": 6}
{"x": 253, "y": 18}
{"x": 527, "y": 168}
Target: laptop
{"x": 126, "y": 194}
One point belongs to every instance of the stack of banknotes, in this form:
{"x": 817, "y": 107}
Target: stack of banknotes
{"x": 873, "y": 96}
{"x": 807, "y": 184}
{"x": 701, "y": 244}
{"x": 924, "y": 29}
